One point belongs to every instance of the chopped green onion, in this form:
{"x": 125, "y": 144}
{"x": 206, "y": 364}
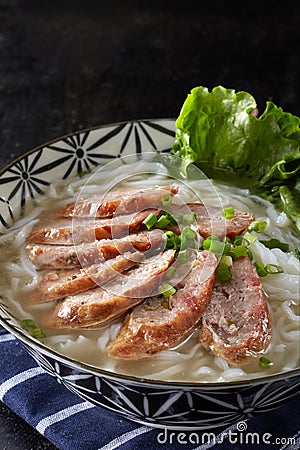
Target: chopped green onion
{"x": 216, "y": 246}
{"x": 150, "y": 221}
{"x": 265, "y": 362}
{"x": 227, "y": 239}
{"x": 250, "y": 237}
{"x": 273, "y": 268}
{"x": 228, "y": 213}
{"x": 83, "y": 173}
{"x": 238, "y": 251}
{"x": 189, "y": 218}
{"x": 163, "y": 222}
{"x": 240, "y": 240}
{"x": 170, "y": 239}
{"x": 223, "y": 273}
{"x": 260, "y": 269}
{"x": 178, "y": 242}
{"x": 297, "y": 253}
{"x": 226, "y": 247}
{"x": 206, "y": 244}
{"x": 183, "y": 255}
{"x": 166, "y": 199}
{"x": 263, "y": 271}
{"x": 166, "y": 290}
{"x": 188, "y": 233}
{"x": 275, "y": 243}
{"x": 245, "y": 240}
{"x": 257, "y": 225}
{"x": 29, "y": 325}
{"x": 175, "y": 219}
{"x": 188, "y": 238}
{"x": 187, "y": 243}
{"x": 38, "y": 333}
{"x": 250, "y": 254}
{"x": 170, "y": 234}
{"x": 214, "y": 237}
{"x": 225, "y": 260}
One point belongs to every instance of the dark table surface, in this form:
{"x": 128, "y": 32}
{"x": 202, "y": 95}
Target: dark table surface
{"x": 67, "y": 65}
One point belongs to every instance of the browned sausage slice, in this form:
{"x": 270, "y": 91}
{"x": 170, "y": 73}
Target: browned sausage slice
{"x": 46, "y": 256}
{"x": 123, "y": 201}
{"x": 102, "y": 304}
{"x": 57, "y": 284}
{"x": 65, "y": 231}
{"x": 210, "y": 220}
{"x": 154, "y": 326}
{"x": 237, "y": 324}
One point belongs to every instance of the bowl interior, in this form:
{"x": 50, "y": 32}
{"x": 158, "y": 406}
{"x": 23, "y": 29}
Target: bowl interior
{"x": 28, "y": 178}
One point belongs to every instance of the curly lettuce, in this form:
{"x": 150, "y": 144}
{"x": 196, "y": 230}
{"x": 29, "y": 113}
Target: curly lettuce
{"x": 219, "y": 132}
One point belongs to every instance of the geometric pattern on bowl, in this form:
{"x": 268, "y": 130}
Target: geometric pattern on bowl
{"x": 158, "y": 404}
{"x": 172, "y": 405}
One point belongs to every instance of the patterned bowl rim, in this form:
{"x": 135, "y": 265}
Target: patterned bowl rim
{"x": 83, "y": 130}
{"x": 80, "y": 366}
{"x": 74, "y": 364}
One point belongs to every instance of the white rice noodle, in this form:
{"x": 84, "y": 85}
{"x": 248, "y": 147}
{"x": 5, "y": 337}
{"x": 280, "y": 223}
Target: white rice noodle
{"x": 188, "y": 360}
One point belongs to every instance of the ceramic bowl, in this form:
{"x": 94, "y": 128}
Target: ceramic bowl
{"x": 176, "y": 405}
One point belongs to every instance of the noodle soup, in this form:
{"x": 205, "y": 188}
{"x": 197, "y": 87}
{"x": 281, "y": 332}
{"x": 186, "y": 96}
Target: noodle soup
{"x": 187, "y": 361}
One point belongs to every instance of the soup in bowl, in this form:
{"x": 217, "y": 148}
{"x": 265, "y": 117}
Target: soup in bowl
{"x": 172, "y": 301}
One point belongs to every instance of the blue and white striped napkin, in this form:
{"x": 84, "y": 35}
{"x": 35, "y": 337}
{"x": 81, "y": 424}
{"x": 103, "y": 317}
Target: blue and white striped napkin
{"x": 73, "y": 424}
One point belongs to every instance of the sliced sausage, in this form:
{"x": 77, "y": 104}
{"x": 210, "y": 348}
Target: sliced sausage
{"x": 65, "y": 231}
{"x": 210, "y": 220}
{"x": 57, "y": 284}
{"x": 123, "y": 201}
{"x": 159, "y": 323}
{"x": 104, "y": 303}
{"x": 237, "y": 323}
{"x": 46, "y": 256}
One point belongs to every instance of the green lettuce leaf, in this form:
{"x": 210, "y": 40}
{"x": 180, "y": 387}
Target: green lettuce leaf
{"x": 219, "y": 132}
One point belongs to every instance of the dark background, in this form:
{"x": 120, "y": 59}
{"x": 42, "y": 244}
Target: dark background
{"x": 68, "y": 65}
